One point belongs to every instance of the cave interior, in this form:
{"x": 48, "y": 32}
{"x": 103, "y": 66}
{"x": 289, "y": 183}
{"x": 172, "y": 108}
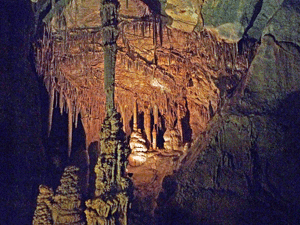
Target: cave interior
{"x": 150, "y": 112}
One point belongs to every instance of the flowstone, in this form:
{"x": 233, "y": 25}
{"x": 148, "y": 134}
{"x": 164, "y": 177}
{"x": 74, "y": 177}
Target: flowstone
{"x": 112, "y": 189}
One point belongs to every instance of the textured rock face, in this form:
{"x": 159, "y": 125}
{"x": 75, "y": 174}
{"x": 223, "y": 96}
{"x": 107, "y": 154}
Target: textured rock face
{"x": 237, "y": 106}
{"x": 274, "y": 73}
{"x": 67, "y": 205}
{"x": 43, "y": 212}
{"x": 184, "y": 14}
{"x": 231, "y": 20}
{"x": 249, "y": 173}
{"x": 228, "y": 18}
{"x": 112, "y": 189}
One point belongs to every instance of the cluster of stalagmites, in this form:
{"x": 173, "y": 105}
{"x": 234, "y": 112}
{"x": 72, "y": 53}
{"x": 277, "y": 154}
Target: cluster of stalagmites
{"x": 65, "y": 207}
{"x": 110, "y": 203}
{"x": 143, "y": 143}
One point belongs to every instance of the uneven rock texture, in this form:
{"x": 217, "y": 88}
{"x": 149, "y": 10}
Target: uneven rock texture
{"x": 184, "y": 14}
{"x": 198, "y": 80}
{"x": 274, "y": 74}
{"x": 113, "y": 189}
{"x": 249, "y": 172}
{"x": 280, "y": 25}
{"x": 228, "y": 18}
{"x": 43, "y": 211}
{"x": 67, "y": 205}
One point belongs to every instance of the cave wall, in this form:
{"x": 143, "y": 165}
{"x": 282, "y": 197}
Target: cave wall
{"x": 22, "y": 153}
{"x": 249, "y": 172}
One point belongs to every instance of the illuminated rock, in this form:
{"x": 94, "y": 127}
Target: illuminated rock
{"x": 43, "y": 211}
{"x": 112, "y": 188}
{"x": 183, "y": 13}
{"x": 67, "y": 206}
{"x": 172, "y": 140}
{"x": 138, "y": 146}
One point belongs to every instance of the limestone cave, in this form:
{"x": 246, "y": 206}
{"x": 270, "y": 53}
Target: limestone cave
{"x": 150, "y": 112}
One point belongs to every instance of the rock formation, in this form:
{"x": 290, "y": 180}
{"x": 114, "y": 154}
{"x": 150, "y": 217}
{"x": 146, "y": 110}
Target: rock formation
{"x": 172, "y": 140}
{"x": 219, "y": 76}
{"x": 43, "y": 211}
{"x": 138, "y": 143}
{"x": 112, "y": 190}
{"x": 67, "y": 203}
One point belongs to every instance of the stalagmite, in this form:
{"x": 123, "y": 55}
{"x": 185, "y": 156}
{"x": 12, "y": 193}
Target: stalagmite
{"x": 112, "y": 189}
{"x": 67, "y": 207}
{"x": 43, "y": 211}
{"x": 147, "y": 124}
{"x": 51, "y": 105}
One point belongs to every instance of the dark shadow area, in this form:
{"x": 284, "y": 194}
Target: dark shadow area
{"x": 141, "y": 121}
{"x": 57, "y": 147}
{"x": 185, "y": 122}
{"x": 161, "y": 131}
{"x": 93, "y": 151}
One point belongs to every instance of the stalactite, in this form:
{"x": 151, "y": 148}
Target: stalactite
{"x": 135, "y": 116}
{"x": 155, "y": 114}
{"x": 70, "y": 127}
{"x": 147, "y": 124}
{"x": 155, "y": 39}
{"x": 143, "y": 29}
{"x": 51, "y": 104}
{"x": 61, "y": 100}
{"x": 160, "y": 31}
{"x": 179, "y": 122}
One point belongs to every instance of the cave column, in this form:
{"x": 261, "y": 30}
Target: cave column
{"x": 108, "y": 13}
{"x": 112, "y": 187}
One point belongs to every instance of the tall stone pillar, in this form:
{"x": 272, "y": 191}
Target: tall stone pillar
{"x": 110, "y": 32}
{"x": 112, "y": 188}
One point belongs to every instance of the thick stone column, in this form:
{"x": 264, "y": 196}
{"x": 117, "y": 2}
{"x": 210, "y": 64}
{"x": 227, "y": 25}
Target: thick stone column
{"x": 112, "y": 188}
{"x": 109, "y": 17}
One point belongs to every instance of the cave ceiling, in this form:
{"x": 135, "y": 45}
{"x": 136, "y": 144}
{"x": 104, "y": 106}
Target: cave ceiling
{"x": 161, "y": 61}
